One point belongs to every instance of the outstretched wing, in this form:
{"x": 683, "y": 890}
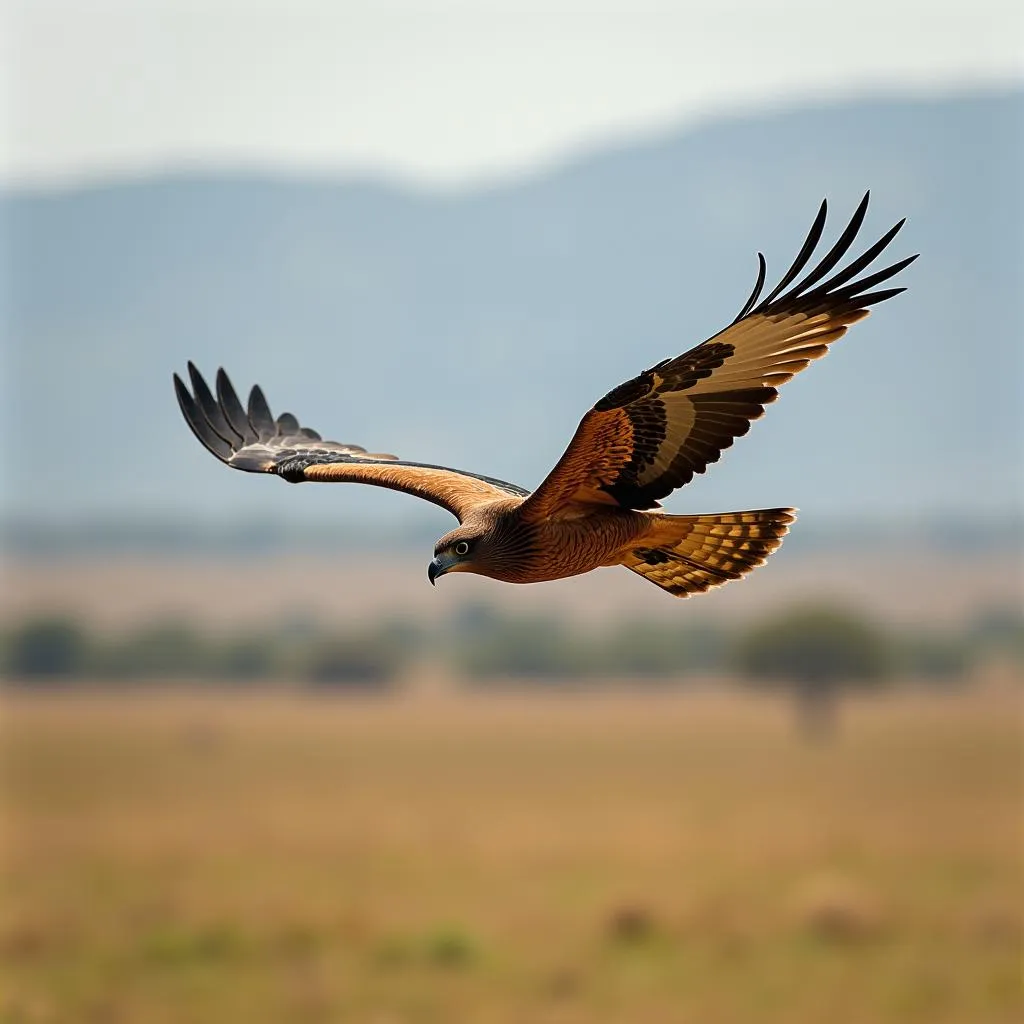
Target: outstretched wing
{"x": 652, "y": 434}
{"x": 251, "y": 439}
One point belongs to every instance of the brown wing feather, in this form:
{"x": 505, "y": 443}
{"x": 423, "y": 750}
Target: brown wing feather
{"x": 456, "y": 491}
{"x": 250, "y": 439}
{"x": 651, "y": 434}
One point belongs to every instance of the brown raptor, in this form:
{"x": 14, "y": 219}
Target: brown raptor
{"x": 640, "y": 442}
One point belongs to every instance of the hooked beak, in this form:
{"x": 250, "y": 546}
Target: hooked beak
{"x": 435, "y": 569}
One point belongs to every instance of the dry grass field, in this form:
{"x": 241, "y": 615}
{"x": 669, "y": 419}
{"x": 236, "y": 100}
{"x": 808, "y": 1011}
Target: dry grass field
{"x": 181, "y": 857}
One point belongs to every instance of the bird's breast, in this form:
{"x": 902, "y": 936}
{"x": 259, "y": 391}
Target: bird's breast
{"x": 568, "y": 547}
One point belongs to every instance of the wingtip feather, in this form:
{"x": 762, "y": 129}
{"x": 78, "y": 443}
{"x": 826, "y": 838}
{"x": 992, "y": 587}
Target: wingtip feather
{"x": 261, "y": 419}
{"x": 198, "y": 423}
{"x": 234, "y": 413}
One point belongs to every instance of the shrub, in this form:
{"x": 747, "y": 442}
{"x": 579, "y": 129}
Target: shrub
{"x": 51, "y": 647}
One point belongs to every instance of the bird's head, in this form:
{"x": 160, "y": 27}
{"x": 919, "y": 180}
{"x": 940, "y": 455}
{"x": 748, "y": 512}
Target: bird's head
{"x": 462, "y": 550}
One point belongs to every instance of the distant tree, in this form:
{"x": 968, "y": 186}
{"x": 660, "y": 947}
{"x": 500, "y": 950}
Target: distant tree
{"x": 815, "y": 652}
{"x": 526, "y": 649}
{"x": 933, "y": 657}
{"x": 658, "y": 648}
{"x": 364, "y": 662}
{"x": 246, "y": 658}
{"x": 998, "y": 631}
{"x": 160, "y": 650}
{"x": 644, "y": 649}
{"x": 48, "y": 647}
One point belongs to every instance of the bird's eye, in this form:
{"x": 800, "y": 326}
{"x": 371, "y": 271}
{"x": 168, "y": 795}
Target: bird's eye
{"x": 462, "y": 548}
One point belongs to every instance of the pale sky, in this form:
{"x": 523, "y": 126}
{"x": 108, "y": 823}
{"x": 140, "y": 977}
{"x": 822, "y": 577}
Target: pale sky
{"x": 446, "y": 93}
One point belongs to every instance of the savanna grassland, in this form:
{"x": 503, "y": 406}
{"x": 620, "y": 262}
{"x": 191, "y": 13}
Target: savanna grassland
{"x": 200, "y": 858}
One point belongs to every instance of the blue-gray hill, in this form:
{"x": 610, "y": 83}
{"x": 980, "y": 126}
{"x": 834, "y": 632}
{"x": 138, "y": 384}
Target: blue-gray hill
{"x": 476, "y": 328}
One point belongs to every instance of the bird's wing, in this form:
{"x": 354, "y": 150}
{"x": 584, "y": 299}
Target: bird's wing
{"x": 250, "y": 439}
{"x": 650, "y": 435}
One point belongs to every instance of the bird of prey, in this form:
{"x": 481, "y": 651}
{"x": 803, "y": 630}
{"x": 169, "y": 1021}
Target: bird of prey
{"x": 639, "y": 443}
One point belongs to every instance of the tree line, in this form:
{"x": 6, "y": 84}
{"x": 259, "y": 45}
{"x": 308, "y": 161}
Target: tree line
{"x": 816, "y": 645}
{"x": 812, "y": 653}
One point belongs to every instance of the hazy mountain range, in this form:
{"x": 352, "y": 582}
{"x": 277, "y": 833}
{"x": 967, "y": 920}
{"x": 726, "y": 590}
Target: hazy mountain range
{"x": 474, "y": 328}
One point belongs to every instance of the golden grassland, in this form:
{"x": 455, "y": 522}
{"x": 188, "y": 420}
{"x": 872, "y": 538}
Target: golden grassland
{"x": 191, "y": 857}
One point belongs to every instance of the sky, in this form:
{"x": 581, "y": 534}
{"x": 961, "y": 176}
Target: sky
{"x": 445, "y": 94}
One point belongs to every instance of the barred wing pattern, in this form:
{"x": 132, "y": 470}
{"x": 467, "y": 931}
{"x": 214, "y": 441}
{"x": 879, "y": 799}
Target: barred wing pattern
{"x": 701, "y": 552}
{"x": 651, "y": 434}
{"x": 249, "y": 438}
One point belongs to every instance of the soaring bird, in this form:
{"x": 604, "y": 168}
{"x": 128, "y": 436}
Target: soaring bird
{"x": 639, "y": 443}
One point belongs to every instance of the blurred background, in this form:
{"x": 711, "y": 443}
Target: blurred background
{"x": 255, "y": 767}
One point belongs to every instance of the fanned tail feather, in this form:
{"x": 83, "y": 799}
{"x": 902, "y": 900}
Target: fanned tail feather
{"x": 690, "y": 554}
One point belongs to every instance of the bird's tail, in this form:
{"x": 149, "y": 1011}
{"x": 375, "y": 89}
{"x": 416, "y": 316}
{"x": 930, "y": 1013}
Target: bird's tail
{"x": 690, "y": 554}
